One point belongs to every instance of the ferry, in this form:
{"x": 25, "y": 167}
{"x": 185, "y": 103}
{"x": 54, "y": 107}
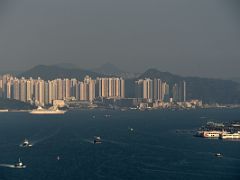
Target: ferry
{"x": 229, "y": 135}
{"x": 52, "y": 110}
{"x": 227, "y": 130}
{"x": 211, "y": 134}
{"x": 3, "y": 110}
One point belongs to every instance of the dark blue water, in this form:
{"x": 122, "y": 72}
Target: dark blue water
{"x": 162, "y": 146}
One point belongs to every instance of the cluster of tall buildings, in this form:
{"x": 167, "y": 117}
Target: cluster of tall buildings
{"x": 42, "y": 92}
{"x": 179, "y": 92}
{"x": 157, "y": 90}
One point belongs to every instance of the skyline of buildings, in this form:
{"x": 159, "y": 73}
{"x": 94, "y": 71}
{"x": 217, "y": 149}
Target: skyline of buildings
{"x": 41, "y": 92}
{"x": 158, "y": 90}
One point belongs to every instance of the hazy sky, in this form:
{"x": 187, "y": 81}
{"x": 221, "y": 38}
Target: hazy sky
{"x": 187, "y": 37}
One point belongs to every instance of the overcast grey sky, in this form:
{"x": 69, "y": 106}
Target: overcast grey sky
{"x": 187, "y": 37}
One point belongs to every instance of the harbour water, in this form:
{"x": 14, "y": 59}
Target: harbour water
{"x": 135, "y": 145}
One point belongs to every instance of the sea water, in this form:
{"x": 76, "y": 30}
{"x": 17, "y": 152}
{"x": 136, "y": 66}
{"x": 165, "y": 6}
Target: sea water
{"x": 160, "y": 145}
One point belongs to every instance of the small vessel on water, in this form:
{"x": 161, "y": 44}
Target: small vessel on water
{"x": 97, "y": 140}
{"x": 218, "y": 155}
{"x": 130, "y": 129}
{"x": 52, "y": 110}
{"x": 19, "y": 164}
{"x": 58, "y": 158}
{"x": 26, "y": 143}
{"x": 107, "y": 115}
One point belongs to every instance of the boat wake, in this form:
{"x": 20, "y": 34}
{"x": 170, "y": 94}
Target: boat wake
{"x": 185, "y": 131}
{"x": 7, "y": 165}
{"x": 88, "y": 141}
{"x": 34, "y": 142}
{"x": 114, "y": 142}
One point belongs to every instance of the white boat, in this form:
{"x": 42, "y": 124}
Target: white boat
{"x": 130, "y": 129}
{"x": 19, "y": 164}
{"x": 228, "y": 135}
{"x": 52, "y": 110}
{"x": 97, "y": 140}
{"x": 218, "y": 155}
{"x": 26, "y": 143}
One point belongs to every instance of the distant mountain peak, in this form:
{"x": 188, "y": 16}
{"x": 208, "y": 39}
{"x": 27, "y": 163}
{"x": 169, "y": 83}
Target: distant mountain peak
{"x": 66, "y": 65}
{"x": 155, "y": 73}
{"x": 52, "y": 72}
{"x": 108, "y": 68}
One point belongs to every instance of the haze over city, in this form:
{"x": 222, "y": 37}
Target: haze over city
{"x": 119, "y": 89}
{"x": 192, "y": 38}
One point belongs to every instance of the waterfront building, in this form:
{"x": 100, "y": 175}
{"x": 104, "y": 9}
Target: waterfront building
{"x": 74, "y": 84}
{"x": 16, "y": 89}
{"x": 23, "y": 90}
{"x": 179, "y": 92}
{"x": 8, "y": 91}
{"x": 112, "y": 87}
{"x": 83, "y": 91}
{"x": 29, "y": 94}
{"x": 43, "y": 92}
{"x": 1, "y": 87}
{"x": 144, "y": 89}
{"x": 182, "y": 91}
{"x": 122, "y": 88}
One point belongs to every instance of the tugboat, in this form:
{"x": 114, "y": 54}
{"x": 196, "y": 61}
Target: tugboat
{"x": 20, "y": 165}
{"x": 26, "y": 143}
{"x": 97, "y": 140}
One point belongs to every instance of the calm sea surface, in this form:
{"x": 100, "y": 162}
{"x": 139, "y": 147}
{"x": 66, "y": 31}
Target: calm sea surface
{"x": 162, "y": 146}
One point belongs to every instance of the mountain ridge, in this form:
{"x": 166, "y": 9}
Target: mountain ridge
{"x": 207, "y": 89}
{"x": 112, "y": 70}
{"x": 52, "y": 72}
{"x": 108, "y": 68}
